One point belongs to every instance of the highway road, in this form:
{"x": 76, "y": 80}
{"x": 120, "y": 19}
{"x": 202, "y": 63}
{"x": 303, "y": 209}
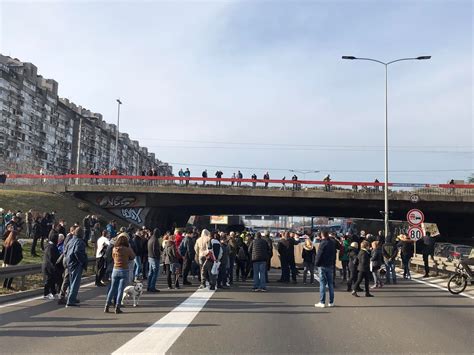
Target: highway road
{"x": 409, "y": 317}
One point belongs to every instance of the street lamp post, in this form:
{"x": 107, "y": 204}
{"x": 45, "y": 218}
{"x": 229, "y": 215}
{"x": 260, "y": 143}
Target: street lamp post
{"x": 386, "y": 64}
{"x": 117, "y": 133}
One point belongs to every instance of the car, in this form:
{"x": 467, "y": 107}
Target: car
{"x": 458, "y": 252}
{"x": 441, "y": 249}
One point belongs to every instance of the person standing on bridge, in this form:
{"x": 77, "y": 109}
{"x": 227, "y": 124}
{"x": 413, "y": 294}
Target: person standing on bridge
{"x": 187, "y": 174}
{"x": 204, "y": 176}
{"x": 219, "y": 176}
{"x": 240, "y": 177}
{"x": 122, "y": 255}
{"x": 76, "y": 259}
{"x": 325, "y": 260}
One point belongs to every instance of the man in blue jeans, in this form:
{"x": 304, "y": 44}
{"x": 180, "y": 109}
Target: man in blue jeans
{"x": 76, "y": 260}
{"x": 325, "y": 260}
{"x": 259, "y": 251}
{"x": 154, "y": 254}
{"x": 390, "y": 252}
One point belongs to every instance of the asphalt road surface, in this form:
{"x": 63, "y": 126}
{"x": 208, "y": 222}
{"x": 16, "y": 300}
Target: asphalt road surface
{"x": 409, "y": 317}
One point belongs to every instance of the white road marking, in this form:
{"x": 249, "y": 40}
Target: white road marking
{"x": 160, "y": 336}
{"x": 34, "y": 298}
{"x": 437, "y": 286}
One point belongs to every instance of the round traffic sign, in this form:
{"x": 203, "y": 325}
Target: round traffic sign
{"x": 415, "y": 233}
{"x": 415, "y": 217}
{"x": 414, "y": 198}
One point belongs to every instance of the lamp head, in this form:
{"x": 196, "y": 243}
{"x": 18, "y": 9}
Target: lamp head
{"x": 350, "y": 57}
{"x": 424, "y": 57}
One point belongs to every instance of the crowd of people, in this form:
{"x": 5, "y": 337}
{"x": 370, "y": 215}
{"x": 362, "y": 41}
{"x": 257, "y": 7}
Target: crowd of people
{"x": 124, "y": 256}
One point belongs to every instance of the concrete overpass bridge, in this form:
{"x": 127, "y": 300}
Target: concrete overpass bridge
{"x": 159, "y": 202}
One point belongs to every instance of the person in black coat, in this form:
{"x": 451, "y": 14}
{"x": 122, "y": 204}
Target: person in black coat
{"x": 259, "y": 251}
{"x": 49, "y": 268}
{"x": 36, "y": 232}
{"x": 353, "y": 264}
{"x": 364, "y": 269}
{"x": 407, "y": 251}
{"x": 12, "y": 254}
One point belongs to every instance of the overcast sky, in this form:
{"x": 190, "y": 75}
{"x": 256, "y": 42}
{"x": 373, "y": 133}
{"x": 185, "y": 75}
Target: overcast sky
{"x": 261, "y": 84}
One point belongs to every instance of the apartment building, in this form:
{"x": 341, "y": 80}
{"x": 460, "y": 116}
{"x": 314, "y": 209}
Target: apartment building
{"x": 41, "y": 132}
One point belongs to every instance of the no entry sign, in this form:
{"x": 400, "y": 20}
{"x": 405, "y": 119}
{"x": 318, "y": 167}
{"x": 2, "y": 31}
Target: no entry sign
{"x": 415, "y": 217}
{"x": 415, "y": 233}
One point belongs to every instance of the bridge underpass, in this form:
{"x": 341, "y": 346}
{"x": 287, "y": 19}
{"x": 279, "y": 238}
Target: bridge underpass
{"x": 166, "y": 206}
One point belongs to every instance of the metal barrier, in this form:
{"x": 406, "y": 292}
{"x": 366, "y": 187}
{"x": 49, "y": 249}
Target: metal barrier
{"x": 27, "y": 270}
{"x": 329, "y": 186}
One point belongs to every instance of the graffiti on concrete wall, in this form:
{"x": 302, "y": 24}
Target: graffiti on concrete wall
{"x": 133, "y": 214}
{"x": 109, "y": 201}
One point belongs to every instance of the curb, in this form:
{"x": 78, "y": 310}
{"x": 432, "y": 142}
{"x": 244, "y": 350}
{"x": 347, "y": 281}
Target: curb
{"x": 36, "y": 292}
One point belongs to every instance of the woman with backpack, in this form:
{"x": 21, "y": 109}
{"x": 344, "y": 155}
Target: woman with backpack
{"x": 241, "y": 260}
{"x": 12, "y": 254}
{"x": 308, "y": 254}
{"x": 171, "y": 262}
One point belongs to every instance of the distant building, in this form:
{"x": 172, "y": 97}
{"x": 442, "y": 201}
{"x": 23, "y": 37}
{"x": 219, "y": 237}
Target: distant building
{"x": 39, "y": 130}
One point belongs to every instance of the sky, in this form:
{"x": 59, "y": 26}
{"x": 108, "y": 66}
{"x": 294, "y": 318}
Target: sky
{"x": 260, "y": 85}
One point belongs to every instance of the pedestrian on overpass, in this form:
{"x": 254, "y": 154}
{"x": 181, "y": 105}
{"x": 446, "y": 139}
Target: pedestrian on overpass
{"x": 325, "y": 260}
{"x": 76, "y": 260}
{"x": 364, "y": 269}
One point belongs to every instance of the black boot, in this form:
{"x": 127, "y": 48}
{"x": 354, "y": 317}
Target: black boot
{"x": 118, "y": 310}
{"x": 106, "y": 309}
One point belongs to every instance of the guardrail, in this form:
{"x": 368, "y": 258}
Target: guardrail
{"x": 437, "y": 264}
{"x": 354, "y": 186}
{"x": 28, "y": 270}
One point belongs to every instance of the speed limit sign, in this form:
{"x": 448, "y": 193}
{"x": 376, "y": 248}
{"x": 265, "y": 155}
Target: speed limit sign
{"x": 415, "y": 233}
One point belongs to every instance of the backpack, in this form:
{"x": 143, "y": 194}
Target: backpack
{"x": 241, "y": 255}
{"x": 182, "y": 247}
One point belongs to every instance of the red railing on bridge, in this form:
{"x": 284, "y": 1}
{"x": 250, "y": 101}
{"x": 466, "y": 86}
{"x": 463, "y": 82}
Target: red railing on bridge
{"x": 71, "y": 178}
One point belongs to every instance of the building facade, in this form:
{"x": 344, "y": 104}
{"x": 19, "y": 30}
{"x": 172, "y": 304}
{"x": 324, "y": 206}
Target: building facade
{"x": 41, "y": 132}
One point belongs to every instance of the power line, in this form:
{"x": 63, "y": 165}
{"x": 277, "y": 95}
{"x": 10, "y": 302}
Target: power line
{"x": 323, "y": 170}
{"x": 302, "y": 145}
{"x": 334, "y": 148}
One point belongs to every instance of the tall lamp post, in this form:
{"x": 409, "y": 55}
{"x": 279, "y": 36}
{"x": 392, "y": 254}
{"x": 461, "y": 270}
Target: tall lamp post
{"x": 386, "y": 64}
{"x": 117, "y": 133}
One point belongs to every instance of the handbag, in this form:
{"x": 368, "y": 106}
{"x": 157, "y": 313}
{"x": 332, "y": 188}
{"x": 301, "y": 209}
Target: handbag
{"x": 215, "y": 267}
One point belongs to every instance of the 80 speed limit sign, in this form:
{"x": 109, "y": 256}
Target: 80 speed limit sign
{"x": 415, "y": 233}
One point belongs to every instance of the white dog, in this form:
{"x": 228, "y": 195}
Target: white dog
{"x": 134, "y": 291}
